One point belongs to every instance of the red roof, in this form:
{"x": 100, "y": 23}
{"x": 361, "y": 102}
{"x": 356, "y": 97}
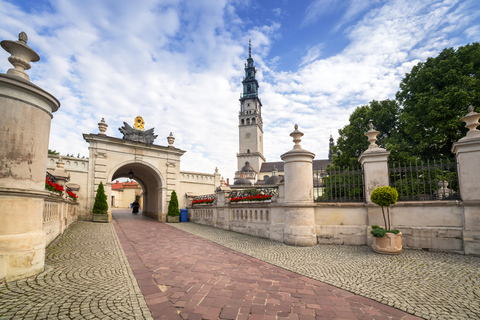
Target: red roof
{"x": 125, "y": 185}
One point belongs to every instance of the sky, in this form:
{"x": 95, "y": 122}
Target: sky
{"x": 179, "y": 65}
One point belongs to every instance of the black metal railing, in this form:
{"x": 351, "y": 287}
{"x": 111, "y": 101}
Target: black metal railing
{"x": 420, "y": 181}
{"x": 51, "y": 178}
{"x": 338, "y": 185}
{"x": 240, "y": 193}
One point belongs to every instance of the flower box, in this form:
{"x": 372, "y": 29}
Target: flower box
{"x": 173, "y": 219}
{"x": 100, "y": 217}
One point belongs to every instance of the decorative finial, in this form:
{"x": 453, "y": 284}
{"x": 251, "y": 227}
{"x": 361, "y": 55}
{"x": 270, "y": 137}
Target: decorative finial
{"x": 216, "y": 169}
{"x": 22, "y": 37}
{"x": 21, "y": 55}
{"x": 296, "y": 137}
{"x": 171, "y": 140}
{"x": 102, "y": 127}
{"x": 471, "y": 120}
{"x": 372, "y": 135}
{"x": 60, "y": 163}
{"x": 249, "y": 47}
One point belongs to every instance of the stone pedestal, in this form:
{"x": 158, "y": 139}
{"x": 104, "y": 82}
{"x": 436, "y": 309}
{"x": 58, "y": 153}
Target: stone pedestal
{"x": 26, "y": 112}
{"x": 467, "y": 151}
{"x": 300, "y": 229}
{"x": 375, "y": 164}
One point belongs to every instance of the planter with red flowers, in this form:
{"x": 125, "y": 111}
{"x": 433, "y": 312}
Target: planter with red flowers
{"x": 72, "y": 195}
{"x": 252, "y": 199}
{"x": 203, "y": 201}
{"x": 53, "y": 187}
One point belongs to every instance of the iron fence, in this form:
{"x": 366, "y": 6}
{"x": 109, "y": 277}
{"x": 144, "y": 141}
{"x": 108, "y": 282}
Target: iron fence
{"x": 338, "y": 185}
{"x": 425, "y": 181}
{"x": 240, "y": 193}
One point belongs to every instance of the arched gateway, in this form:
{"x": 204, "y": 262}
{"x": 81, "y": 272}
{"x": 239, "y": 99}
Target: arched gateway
{"x": 156, "y": 168}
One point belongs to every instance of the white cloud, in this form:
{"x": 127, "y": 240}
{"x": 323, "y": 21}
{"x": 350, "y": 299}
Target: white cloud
{"x": 180, "y": 67}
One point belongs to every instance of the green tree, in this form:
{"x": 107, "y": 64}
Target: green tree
{"x": 53, "y": 152}
{"x": 100, "y": 206}
{"x": 352, "y": 141}
{"x": 173, "y": 209}
{"x": 434, "y": 97}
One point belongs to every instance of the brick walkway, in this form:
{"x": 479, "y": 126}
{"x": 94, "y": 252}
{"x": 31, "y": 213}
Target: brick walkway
{"x": 183, "y": 276}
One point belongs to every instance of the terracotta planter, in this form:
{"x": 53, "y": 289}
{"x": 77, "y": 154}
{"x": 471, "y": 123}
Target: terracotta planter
{"x": 100, "y": 217}
{"x": 173, "y": 219}
{"x": 390, "y": 243}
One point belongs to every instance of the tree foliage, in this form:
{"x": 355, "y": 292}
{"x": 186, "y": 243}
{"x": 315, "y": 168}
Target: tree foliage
{"x": 100, "y": 206}
{"x": 424, "y": 121}
{"x": 352, "y": 141}
{"x": 435, "y": 96}
{"x": 173, "y": 209}
{"x": 53, "y": 152}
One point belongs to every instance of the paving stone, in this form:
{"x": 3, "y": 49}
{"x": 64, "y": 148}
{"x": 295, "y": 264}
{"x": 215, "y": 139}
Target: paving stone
{"x": 433, "y": 285}
{"x": 86, "y": 276}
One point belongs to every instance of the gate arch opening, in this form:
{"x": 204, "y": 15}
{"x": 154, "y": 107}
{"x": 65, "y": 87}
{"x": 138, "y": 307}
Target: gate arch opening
{"x": 152, "y": 183}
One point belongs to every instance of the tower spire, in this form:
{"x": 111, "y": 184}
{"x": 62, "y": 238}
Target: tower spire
{"x": 249, "y": 48}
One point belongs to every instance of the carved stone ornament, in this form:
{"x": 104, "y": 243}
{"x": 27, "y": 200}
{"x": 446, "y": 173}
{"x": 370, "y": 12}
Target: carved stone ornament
{"x": 372, "y": 136}
{"x": 102, "y": 127}
{"x": 471, "y": 120}
{"x": 296, "y": 135}
{"x": 21, "y": 55}
{"x": 137, "y": 135}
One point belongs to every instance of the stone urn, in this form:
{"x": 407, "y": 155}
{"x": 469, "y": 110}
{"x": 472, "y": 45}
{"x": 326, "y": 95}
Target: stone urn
{"x": 390, "y": 243}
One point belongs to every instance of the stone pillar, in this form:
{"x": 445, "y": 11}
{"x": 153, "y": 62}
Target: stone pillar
{"x": 26, "y": 112}
{"x": 375, "y": 164}
{"x": 300, "y": 228}
{"x": 467, "y": 151}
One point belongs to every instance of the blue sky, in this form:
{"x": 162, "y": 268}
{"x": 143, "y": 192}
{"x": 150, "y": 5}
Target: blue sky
{"x": 179, "y": 65}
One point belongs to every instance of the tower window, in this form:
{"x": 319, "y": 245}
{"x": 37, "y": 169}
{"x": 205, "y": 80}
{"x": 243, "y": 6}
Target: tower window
{"x": 243, "y": 121}
{"x": 253, "y": 120}
{"x": 248, "y": 150}
{"x": 248, "y": 121}
{"x": 249, "y": 88}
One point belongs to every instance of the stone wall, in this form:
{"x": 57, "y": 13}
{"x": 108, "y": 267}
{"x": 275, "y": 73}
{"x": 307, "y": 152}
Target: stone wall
{"x": 58, "y": 215}
{"x": 78, "y": 170}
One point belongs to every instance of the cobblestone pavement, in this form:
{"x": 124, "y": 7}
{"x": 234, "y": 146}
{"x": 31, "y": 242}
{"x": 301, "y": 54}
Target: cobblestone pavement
{"x": 86, "y": 276}
{"x": 183, "y": 276}
{"x": 431, "y": 285}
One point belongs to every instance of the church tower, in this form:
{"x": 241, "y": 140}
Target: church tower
{"x": 250, "y": 120}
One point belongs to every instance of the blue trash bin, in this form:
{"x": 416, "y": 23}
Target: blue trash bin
{"x": 183, "y": 215}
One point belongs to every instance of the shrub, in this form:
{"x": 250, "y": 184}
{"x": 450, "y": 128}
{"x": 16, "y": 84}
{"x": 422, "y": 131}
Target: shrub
{"x": 384, "y": 197}
{"x": 173, "y": 209}
{"x": 100, "y": 206}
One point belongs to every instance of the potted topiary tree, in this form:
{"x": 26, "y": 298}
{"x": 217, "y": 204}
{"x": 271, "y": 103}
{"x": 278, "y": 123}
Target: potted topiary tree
{"x": 173, "y": 214}
{"x": 100, "y": 207}
{"x": 385, "y": 240}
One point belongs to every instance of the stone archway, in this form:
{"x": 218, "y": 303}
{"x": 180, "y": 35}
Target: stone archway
{"x": 151, "y": 181}
{"x": 156, "y": 168}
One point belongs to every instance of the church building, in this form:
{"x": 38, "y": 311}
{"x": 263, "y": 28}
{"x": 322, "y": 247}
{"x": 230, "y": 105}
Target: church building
{"x": 253, "y": 169}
